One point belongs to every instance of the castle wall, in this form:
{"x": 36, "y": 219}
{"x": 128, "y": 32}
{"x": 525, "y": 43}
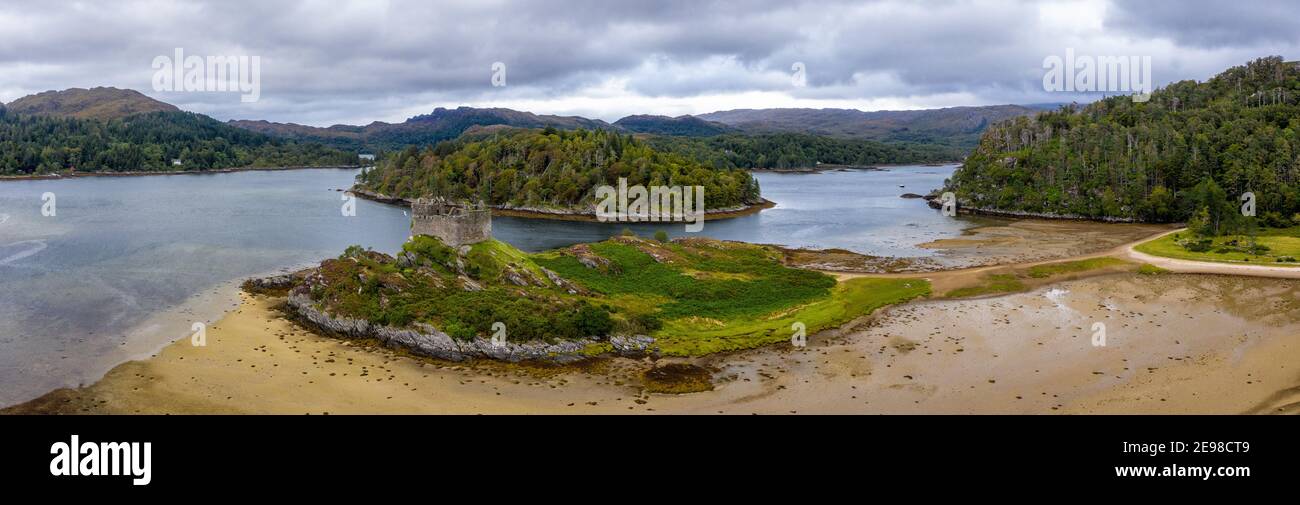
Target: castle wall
{"x": 463, "y": 228}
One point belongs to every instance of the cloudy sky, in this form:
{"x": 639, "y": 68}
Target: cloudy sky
{"x": 325, "y": 62}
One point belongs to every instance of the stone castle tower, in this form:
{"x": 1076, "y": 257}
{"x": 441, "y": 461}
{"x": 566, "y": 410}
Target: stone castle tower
{"x": 456, "y": 225}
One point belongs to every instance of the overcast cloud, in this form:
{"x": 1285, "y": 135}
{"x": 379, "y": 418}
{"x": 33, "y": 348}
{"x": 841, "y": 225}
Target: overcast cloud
{"x": 327, "y": 62}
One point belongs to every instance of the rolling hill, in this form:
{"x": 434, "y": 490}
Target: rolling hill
{"x": 441, "y": 124}
{"x": 956, "y": 128}
{"x": 94, "y": 103}
{"x": 953, "y": 126}
{"x": 121, "y": 130}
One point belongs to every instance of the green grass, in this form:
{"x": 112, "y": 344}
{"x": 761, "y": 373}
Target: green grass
{"x": 749, "y": 282}
{"x": 1069, "y": 267}
{"x": 490, "y": 259}
{"x": 1149, "y": 269}
{"x": 989, "y": 285}
{"x": 690, "y": 336}
{"x": 701, "y": 296}
{"x": 1014, "y": 282}
{"x": 1282, "y": 243}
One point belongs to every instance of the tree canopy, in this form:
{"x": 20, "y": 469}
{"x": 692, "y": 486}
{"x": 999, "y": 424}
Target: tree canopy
{"x": 37, "y": 144}
{"x": 1157, "y": 160}
{"x": 800, "y": 150}
{"x": 548, "y": 168}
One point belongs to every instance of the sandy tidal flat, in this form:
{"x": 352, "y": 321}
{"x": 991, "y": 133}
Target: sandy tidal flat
{"x": 1175, "y": 344}
{"x": 1004, "y": 242}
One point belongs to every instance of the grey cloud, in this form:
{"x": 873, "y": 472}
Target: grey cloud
{"x": 326, "y": 62}
{"x": 1210, "y": 23}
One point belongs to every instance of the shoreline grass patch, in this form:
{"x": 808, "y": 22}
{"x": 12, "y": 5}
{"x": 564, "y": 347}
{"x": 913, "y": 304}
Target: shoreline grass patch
{"x": 847, "y": 301}
{"x": 989, "y": 285}
{"x": 1149, "y": 269}
{"x": 1282, "y": 247}
{"x": 1069, "y": 267}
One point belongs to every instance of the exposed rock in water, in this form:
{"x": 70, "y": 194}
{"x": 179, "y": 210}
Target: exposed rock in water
{"x": 274, "y": 282}
{"x": 678, "y": 378}
{"x": 911, "y": 195}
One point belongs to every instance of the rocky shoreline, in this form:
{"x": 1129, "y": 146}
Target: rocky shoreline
{"x": 933, "y": 201}
{"x": 564, "y": 214}
{"x": 426, "y": 340}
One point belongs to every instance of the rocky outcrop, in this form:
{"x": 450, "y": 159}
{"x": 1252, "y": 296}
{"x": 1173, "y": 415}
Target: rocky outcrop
{"x": 426, "y": 340}
{"x": 590, "y": 259}
{"x": 563, "y": 283}
{"x": 934, "y": 203}
{"x": 275, "y": 282}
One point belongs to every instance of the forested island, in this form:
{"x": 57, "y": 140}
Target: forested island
{"x": 549, "y": 169}
{"x": 799, "y": 150}
{"x": 1189, "y": 153}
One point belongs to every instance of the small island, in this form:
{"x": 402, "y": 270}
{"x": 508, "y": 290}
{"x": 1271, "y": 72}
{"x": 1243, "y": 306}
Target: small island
{"x": 455, "y": 293}
{"x": 550, "y": 173}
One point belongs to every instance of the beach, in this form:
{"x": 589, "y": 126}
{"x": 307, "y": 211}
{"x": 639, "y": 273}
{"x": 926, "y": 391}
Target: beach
{"x": 1175, "y": 344}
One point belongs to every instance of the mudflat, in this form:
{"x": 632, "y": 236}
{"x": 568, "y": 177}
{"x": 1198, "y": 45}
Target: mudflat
{"x": 1175, "y": 344}
{"x": 1031, "y": 240}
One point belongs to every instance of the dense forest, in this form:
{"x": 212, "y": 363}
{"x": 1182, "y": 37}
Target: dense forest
{"x": 714, "y": 144}
{"x": 426, "y": 129}
{"x": 799, "y": 150}
{"x": 37, "y": 144}
{"x": 683, "y": 126}
{"x": 1192, "y": 149}
{"x": 548, "y": 168}
{"x": 956, "y": 127}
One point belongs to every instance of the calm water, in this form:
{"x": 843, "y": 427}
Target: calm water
{"x": 126, "y": 264}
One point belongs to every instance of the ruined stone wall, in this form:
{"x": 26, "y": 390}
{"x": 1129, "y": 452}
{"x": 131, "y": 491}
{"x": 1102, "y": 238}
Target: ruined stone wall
{"x": 461, "y": 227}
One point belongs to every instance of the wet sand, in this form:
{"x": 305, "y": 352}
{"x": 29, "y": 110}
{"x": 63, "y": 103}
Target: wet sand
{"x": 1033, "y": 240}
{"x": 1175, "y": 344}
{"x": 994, "y": 241}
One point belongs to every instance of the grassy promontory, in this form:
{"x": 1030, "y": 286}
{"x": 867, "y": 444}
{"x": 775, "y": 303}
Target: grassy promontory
{"x": 691, "y": 296}
{"x": 1270, "y": 246}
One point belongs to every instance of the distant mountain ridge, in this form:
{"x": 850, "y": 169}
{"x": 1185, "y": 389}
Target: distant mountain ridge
{"x": 93, "y": 103}
{"x": 441, "y": 124}
{"x": 953, "y": 127}
{"x": 957, "y": 126}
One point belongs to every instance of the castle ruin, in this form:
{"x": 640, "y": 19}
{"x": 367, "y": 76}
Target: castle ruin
{"x": 455, "y": 224}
